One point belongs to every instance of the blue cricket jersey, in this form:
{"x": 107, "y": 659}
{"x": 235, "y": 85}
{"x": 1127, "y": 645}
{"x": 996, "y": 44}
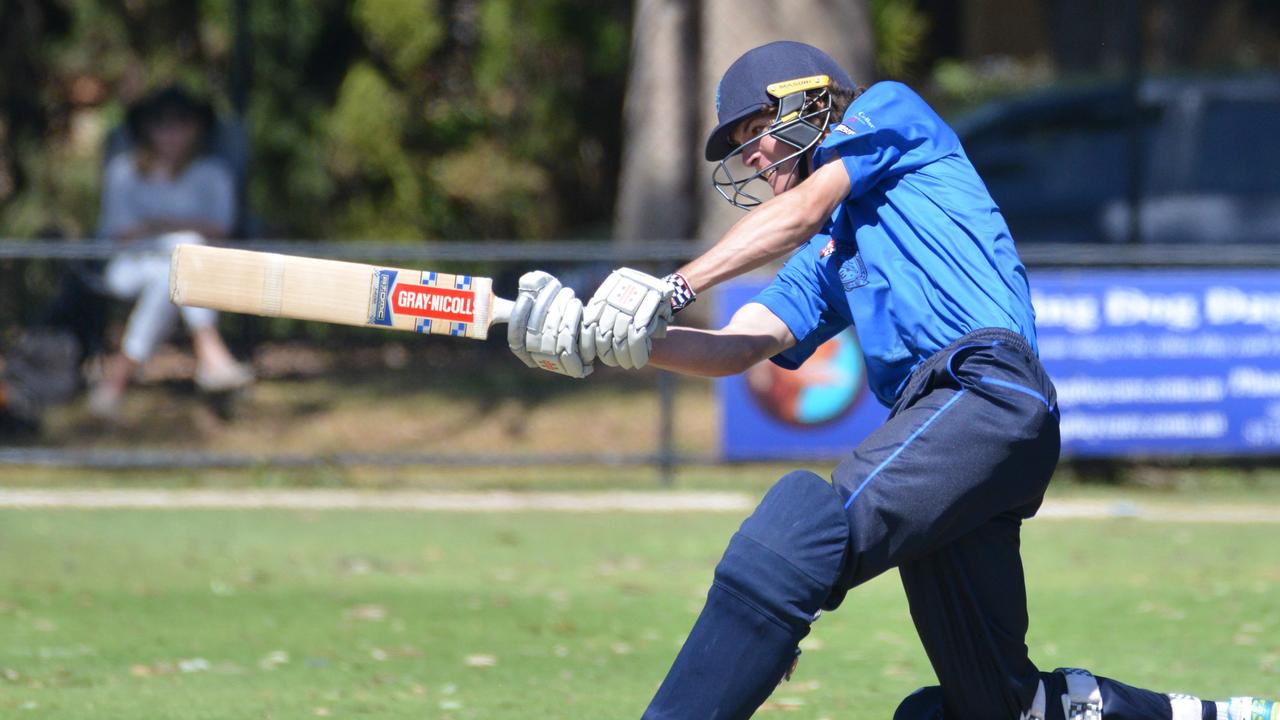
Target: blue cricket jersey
{"x": 915, "y": 257}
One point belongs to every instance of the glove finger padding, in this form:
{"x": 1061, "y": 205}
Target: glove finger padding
{"x": 586, "y": 337}
{"x": 571, "y": 363}
{"x": 516, "y": 332}
{"x": 619, "y": 337}
{"x": 638, "y": 341}
{"x": 555, "y": 346}
{"x": 548, "y": 296}
{"x": 663, "y": 317}
{"x": 628, "y": 310}
{"x": 550, "y": 331}
{"x": 595, "y": 323}
{"x": 603, "y": 336}
{"x": 533, "y": 285}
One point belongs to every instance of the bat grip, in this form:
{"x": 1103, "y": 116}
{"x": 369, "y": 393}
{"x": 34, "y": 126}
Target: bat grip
{"x": 501, "y": 310}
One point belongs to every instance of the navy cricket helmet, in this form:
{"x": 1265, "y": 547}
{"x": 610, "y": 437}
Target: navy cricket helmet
{"x": 792, "y": 77}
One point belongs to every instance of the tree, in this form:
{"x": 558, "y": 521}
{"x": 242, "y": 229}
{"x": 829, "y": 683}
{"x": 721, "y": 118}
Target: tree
{"x": 656, "y": 189}
{"x": 367, "y": 118}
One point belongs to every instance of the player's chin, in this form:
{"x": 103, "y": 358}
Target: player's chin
{"x": 782, "y": 182}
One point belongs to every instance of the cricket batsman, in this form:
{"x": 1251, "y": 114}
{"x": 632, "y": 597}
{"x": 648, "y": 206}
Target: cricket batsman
{"x": 890, "y": 230}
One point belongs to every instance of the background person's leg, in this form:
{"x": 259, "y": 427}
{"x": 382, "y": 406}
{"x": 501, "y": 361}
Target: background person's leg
{"x": 153, "y": 316}
{"x": 133, "y": 275}
{"x": 216, "y": 368}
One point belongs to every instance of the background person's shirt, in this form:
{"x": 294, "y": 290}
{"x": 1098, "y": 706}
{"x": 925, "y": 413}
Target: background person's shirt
{"x": 203, "y": 191}
{"x": 915, "y": 257}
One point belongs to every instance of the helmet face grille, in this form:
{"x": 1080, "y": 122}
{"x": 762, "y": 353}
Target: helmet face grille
{"x": 800, "y": 121}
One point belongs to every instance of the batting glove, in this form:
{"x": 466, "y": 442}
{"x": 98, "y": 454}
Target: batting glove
{"x": 545, "y": 324}
{"x": 619, "y": 322}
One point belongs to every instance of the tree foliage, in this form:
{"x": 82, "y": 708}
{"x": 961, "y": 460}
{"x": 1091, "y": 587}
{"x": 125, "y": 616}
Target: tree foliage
{"x": 900, "y": 30}
{"x": 370, "y": 118}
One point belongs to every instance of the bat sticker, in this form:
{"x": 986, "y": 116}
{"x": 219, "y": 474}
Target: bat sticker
{"x": 379, "y": 301}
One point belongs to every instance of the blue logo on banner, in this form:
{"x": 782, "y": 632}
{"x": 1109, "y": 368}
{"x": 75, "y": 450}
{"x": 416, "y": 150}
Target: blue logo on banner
{"x": 821, "y": 391}
{"x": 821, "y": 410}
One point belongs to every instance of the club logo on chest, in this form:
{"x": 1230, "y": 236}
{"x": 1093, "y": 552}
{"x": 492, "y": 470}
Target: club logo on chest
{"x": 852, "y": 270}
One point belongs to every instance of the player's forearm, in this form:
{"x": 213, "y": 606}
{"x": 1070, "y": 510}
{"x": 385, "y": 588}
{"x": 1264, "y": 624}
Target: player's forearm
{"x": 767, "y": 233}
{"x": 772, "y": 230}
{"x": 710, "y": 353}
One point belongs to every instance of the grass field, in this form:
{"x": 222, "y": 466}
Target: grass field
{"x": 273, "y": 614}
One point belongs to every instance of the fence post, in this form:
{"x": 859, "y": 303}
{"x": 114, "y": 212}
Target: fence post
{"x": 666, "y": 427}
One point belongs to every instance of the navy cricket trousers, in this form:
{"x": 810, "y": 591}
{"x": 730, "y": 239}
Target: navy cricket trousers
{"x": 940, "y": 492}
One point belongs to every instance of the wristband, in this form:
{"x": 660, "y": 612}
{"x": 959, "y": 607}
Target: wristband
{"x": 683, "y": 294}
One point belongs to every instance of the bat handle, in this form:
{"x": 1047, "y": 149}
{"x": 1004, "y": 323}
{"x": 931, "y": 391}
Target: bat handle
{"x": 501, "y": 310}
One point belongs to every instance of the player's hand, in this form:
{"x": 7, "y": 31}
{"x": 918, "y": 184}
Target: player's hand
{"x": 544, "y": 326}
{"x": 627, "y": 311}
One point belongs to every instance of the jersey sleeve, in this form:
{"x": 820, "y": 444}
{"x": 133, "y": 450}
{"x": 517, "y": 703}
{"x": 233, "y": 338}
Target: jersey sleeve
{"x": 795, "y": 296}
{"x": 887, "y": 131}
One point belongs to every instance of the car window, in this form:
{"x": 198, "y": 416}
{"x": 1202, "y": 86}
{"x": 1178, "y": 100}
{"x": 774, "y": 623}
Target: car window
{"x": 1238, "y": 151}
{"x": 1077, "y": 158}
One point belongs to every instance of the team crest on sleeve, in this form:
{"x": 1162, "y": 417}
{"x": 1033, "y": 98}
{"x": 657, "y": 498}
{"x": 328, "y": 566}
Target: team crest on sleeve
{"x": 829, "y": 249}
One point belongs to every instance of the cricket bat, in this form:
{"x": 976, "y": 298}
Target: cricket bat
{"x": 334, "y": 291}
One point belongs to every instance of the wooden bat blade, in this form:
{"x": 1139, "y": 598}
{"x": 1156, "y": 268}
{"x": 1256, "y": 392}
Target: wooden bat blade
{"x": 334, "y": 291}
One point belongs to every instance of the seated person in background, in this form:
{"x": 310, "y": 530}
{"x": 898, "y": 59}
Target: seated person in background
{"x": 162, "y": 193}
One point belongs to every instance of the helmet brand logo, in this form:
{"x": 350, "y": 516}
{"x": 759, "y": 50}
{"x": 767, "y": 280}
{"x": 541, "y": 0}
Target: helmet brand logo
{"x": 786, "y": 87}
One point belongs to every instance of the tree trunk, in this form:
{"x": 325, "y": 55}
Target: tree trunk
{"x": 655, "y": 191}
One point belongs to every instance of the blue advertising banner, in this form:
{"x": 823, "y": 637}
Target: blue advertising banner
{"x": 1146, "y": 363}
{"x": 1163, "y": 363}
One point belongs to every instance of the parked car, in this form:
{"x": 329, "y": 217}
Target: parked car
{"x": 1058, "y": 162}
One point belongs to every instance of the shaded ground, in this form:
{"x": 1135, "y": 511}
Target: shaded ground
{"x": 432, "y": 395}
